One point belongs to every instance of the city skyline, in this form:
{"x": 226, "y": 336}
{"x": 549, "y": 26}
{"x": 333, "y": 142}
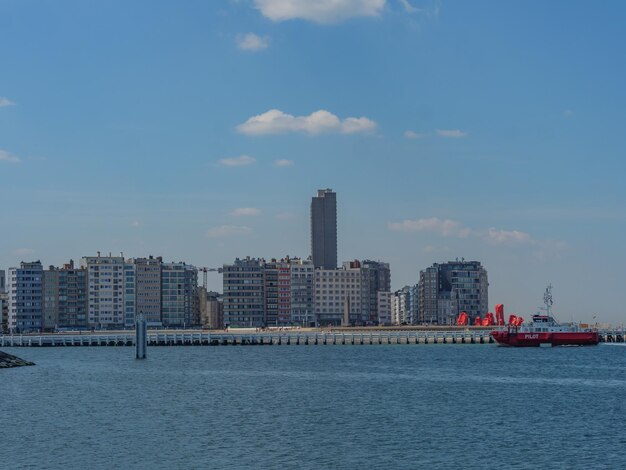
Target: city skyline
{"x": 200, "y": 132}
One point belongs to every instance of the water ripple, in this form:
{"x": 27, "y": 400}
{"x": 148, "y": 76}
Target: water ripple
{"x": 315, "y": 407}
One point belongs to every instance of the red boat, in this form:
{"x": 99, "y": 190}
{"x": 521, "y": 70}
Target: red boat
{"x": 544, "y": 330}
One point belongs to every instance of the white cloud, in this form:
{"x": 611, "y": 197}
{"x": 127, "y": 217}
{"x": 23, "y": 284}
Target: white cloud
{"x": 413, "y": 135}
{"x": 5, "y": 102}
{"x": 408, "y": 7}
{"x": 24, "y": 252}
{"x": 245, "y": 211}
{"x": 430, "y": 11}
{"x": 8, "y": 157}
{"x": 452, "y": 228}
{"x": 319, "y": 11}
{"x": 444, "y": 227}
{"x": 507, "y": 236}
{"x": 451, "y": 133}
{"x": 242, "y": 160}
{"x": 228, "y": 231}
{"x": 275, "y": 121}
{"x": 135, "y": 223}
{"x": 251, "y": 42}
{"x": 568, "y": 113}
{"x": 355, "y": 125}
{"x": 283, "y": 162}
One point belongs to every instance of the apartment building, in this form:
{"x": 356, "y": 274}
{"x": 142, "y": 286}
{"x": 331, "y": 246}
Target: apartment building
{"x": 106, "y": 294}
{"x": 449, "y": 288}
{"x": 179, "y": 282}
{"x": 336, "y": 290}
{"x": 244, "y": 293}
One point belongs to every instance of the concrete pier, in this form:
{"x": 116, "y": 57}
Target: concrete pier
{"x": 275, "y": 338}
{"x": 142, "y": 338}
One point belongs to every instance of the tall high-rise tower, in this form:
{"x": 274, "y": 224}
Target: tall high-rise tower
{"x": 324, "y": 229}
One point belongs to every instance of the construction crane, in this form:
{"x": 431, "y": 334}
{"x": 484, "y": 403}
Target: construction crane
{"x": 205, "y": 272}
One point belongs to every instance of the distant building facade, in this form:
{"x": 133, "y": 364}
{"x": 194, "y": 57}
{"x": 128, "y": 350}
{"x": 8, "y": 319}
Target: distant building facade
{"x": 148, "y": 288}
{"x": 65, "y": 297}
{"x": 271, "y": 270}
{"x": 384, "y": 308}
{"x": 4, "y": 313}
{"x": 428, "y": 290}
{"x": 377, "y": 275}
{"x": 338, "y": 289}
{"x": 447, "y": 289}
{"x": 244, "y": 293}
{"x": 4, "y": 310}
{"x": 301, "y": 293}
{"x": 400, "y": 306}
{"x": 106, "y": 275}
{"x": 179, "y": 282}
{"x": 25, "y": 299}
{"x": 51, "y": 298}
{"x": 414, "y": 304}
{"x": 211, "y": 309}
{"x": 324, "y": 229}
{"x": 130, "y": 293}
{"x": 284, "y": 292}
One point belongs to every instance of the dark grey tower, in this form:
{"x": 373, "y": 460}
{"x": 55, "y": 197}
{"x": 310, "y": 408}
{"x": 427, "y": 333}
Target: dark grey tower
{"x": 324, "y": 229}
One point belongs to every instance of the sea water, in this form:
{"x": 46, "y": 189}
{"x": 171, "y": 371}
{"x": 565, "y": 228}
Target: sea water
{"x": 374, "y": 406}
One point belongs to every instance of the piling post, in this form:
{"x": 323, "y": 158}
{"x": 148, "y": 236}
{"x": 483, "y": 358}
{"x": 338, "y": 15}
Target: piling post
{"x": 141, "y": 337}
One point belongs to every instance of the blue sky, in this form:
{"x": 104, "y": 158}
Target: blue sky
{"x": 200, "y": 130}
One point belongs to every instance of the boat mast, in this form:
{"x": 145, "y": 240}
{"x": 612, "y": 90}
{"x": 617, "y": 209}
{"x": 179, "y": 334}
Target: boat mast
{"x": 547, "y": 300}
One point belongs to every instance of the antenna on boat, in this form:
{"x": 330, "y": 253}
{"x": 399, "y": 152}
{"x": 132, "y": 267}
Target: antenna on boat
{"x": 547, "y": 300}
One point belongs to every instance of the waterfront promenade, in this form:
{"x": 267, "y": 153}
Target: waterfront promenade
{"x": 339, "y": 336}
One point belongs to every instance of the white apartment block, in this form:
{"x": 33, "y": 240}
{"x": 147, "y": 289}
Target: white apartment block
{"x": 301, "y": 286}
{"x": 384, "y": 308}
{"x": 106, "y": 290}
{"x": 400, "y": 306}
{"x": 333, "y": 289}
{"x": 394, "y": 308}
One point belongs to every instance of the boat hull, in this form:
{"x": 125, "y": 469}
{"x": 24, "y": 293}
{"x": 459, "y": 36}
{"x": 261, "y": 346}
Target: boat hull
{"x": 578, "y": 338}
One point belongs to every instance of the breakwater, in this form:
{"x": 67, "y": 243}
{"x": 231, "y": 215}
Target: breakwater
{"x": 7, "y": 361}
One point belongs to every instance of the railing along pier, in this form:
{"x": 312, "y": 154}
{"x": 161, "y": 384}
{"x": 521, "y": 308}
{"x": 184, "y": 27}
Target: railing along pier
{"x": 264, "y": 338}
